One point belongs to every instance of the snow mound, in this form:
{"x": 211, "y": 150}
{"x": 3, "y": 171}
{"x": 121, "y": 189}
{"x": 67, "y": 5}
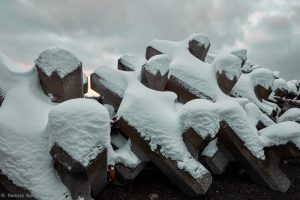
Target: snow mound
{"x": 159, "y": 63}
{"x": 57, "y": 60}
{"x": 280, "y": 134}
{"x": 25, "y": 158}
{"x": 79, "y": 126}
{"x": 202, "y": 116}
{"x": 199, "y": 37}
{"x": 159, "y": 123}
{"x": 229, "y": 64}
{"x": 292, "y": 114}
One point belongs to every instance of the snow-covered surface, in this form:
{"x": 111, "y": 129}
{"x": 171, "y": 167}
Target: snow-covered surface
{"x": 199, "y": 37}
{"x": 247, "y": 82}
{"x": 200, "y": 76}
{"x": 132, "y": 61}
{"x": 201, "y": 115}
{"x": 159, "y": 122}
{"x": 24, "y": 153}
{"x": 281, "y": 133}
{"x": 234, "y": 115}
{"x": 10, "y": 75}
{"x": 247, "y": 67}
{"x": 110, "y": 110}
{"x": 211, "y": 149}
{"x": 57, "y": 60}
{"x": 113, "y": 79}
{"x": 81, "y": 127}
{"x": 292, "y": 114}
{"x": 278, "y": 84}
{"x": 240, "y": 53}
{"x": 125, "y": 156}
{"x": 292, "y": 88}
{"x": 210, "y": 58}
{"x": 159, "y": 63}
{"x": 229, "y": 64}
{"x": 255, "y": 115}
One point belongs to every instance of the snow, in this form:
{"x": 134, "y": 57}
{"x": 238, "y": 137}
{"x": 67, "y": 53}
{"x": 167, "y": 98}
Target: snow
{"x": 123, "y": 154}
{"x": 57, "y": 60}
{"x": 210, "y": 58}
{"x": 247, "y": 67}
{"x": 247, "y": 82}
{"x": 211, "y": 149}
{"x": 255, "y": 115}
{"x": 202, "y": 116}
{"x": 280, "y": 134}
{"x": 81, "y": 127}
{"x": 159, "y": 123}
{"x": 113, "y": 79}
{"x": 276, "y": 74}
{"x": 229, "y": 64}
{"x": 133, "y": 62}
{"x": 110, "y": 110}
{"x": 198, "y": 76}
{"x": 240, "y": 53}
{"x": 199, "y": 37}
{"x": 278, "y": 84}
{"x": 234, "y": 115}
{"x": 126, "y": 156}
{"x": 158, "y": 64}
{"x": 292, "y": 88}
{"x": 10, "y": 75}
{"x": 292, "y": 114}
{"x": 118, "y": 139}
{"x": 25, "y": 158}
{"x": 188, "y": 69}
{"x": 263, "y": 77}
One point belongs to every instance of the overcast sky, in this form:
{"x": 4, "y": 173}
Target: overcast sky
{"x": 100, "y": 31}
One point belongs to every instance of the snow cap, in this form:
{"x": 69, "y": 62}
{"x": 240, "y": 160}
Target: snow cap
{"x": 79, "y": 126}
{"x": 263, "y": 77}
{"x": 280, "y": 84}
{"x": 228, "y": 63}
{"x": 199, "y": 37}
{"x": 57, "y": 60}
{"x": 201, "y": 115}
{"x": 159, "y": 63}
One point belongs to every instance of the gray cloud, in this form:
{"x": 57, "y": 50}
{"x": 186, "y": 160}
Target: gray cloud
{"x": 98, "y": 32}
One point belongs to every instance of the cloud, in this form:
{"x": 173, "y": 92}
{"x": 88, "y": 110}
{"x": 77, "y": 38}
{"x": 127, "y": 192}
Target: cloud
{"x": 98, "y": 32}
